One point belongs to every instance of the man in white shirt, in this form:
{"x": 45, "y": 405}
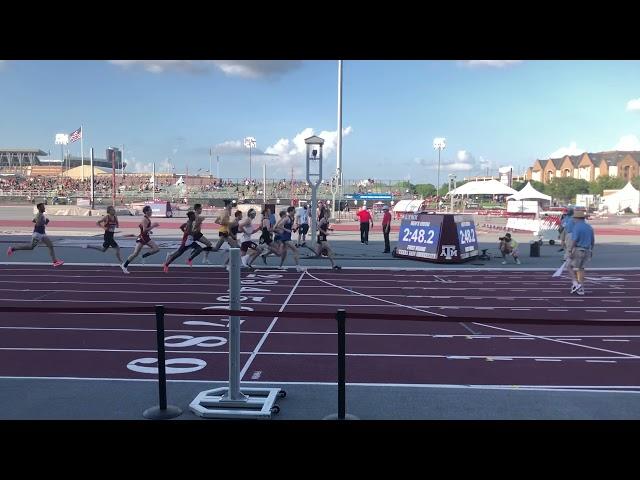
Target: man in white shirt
{"x": 302, "y": 225}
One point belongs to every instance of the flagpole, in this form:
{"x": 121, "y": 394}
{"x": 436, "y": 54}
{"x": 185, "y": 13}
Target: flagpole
{"x": 210, "y": 172}
{"x": 92, "y": 193}
{"x": 218, "y": 166}
{"x": 82, "y": 150}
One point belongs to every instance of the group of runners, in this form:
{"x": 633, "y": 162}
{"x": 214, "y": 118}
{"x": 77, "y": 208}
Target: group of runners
{"x": 275, "y": 236}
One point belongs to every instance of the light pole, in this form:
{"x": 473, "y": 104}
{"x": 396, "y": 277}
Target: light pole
{"x": 62, "y": 139}
{"x": 439, "y": 143}
{"x": 339, "y": 186}
{"x": 314, "y": 175}
{"x": 452, "y": 186}
{"x": 250, "y": 142}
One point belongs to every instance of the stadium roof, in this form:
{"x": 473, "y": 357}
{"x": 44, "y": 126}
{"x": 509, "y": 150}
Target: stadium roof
{"x": 35, "y": 151}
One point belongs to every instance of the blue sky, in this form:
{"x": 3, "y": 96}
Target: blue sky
{"x": 492, "y": 113}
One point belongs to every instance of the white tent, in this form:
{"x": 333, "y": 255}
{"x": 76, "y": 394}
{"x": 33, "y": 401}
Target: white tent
{"x": 408, "y": 206}
{"x": 179, "y": 182}
{"x": 479, "y": 187}
{"x": 626, "y": 197}
{"x": 529, "y": 193}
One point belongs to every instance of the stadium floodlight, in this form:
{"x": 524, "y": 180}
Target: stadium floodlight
{"x": 250, "y": 142}
{"x": 439, "y": 143}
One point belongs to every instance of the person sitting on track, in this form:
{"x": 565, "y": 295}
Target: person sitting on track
{"x": 144, "y": 238}
{"x": 187, "y": 241}
{"x": 39, "y": 235}
{"x": 199, "y": 237}
{"x": 109, "y": 222}
{"x": 322, "y": 245}
{"x": 287, "y": 243}
{"x": 508, "y": 246}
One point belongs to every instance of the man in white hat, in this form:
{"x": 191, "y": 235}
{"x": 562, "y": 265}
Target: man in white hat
{"x": 386, "y": 228}
{"x": 581, "y": 250}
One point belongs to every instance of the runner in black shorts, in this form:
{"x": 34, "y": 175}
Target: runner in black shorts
{"x": 322, "y": 245}
{"x": 248, "y": 248}
{"x": 109, "y": 222}
{"x": 199, "y": 237}
{"x": 266, "y": 243}
{"x": 187, "y": 242}
{"x": 232, "y": 238}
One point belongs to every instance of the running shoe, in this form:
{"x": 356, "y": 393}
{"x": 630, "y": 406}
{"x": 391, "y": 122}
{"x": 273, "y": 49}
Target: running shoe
{"x": 165, "y": 268}
{"x": 504, "y": 263}
{"x": 190, "y": 262}
{"x": 575, "y": 288}
{"x": 58, "y": 262}
{"x": 124, "y": 269}
{"x": 10, "y": 251}
{"x": 300, "y": 268}
{"x": 580, "y": 291}
{"x": 228, "y": 268}
{"x": 518, "y": 261}
{"x": 337, "y": 267}
{"x": 166, "y": 259}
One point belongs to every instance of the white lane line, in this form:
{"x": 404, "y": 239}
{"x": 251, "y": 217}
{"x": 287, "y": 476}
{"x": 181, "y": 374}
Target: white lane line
{"x": 521, "y": 338}
{"x": 558, "y": 310}
{"x": 557, "y": 340}
{"x": 468, "y": 328}
{"x": 615, "y": 340}
{"x": 266, "y": 333}
{"x": 601, "y": 361}
{"x": 374, "y": 298}
{"x": 520, "y": 309}
{"x": 631, "y": 311}
{"x": 569, "y": 339}
{"x": 547, "y": 360}
{"x": 457, "y": 357}
{"x": 596, "y": 311}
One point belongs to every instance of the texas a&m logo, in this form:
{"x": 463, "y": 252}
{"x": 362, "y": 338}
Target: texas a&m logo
{"x": 448, "y": 251}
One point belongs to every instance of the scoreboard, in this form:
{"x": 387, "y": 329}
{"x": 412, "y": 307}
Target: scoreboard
{"x": 441, "y": 238}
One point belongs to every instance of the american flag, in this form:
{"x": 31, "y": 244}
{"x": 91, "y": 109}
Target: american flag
{"x": 75, "y": 135}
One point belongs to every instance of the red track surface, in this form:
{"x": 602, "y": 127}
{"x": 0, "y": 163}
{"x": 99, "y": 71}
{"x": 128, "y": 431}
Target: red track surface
{"x": 304, "y": 350}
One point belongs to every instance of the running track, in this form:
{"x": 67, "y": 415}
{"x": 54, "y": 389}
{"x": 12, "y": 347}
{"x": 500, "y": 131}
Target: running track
{"x": 474, "y": 353}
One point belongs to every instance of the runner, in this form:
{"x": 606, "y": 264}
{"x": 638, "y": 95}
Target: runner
{"x": 38, "y": 235}
{"x": 266, "y": 242}
{"x": 287, "y": 243}
{"x": 223, "y": 231}
{"x": 144, "y": 238}
{"x": 232, "y": 239}
{"x": 199, "y": 237}
{"x": 249, "y": 248}
{"x": 188, "y": 241}
{"x": 109, "y": 222}
{"x": 322, "y": 245}
{"x": 581, "y": 250}
{"x": 302, "y": 225}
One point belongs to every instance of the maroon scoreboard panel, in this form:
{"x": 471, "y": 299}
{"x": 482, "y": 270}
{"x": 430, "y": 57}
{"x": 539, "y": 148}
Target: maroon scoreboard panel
{"x": 437, "y": 237}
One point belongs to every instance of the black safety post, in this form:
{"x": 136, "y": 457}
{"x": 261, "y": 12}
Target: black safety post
{"x": 162, "y": 411}
{"x": 341, "y": 317}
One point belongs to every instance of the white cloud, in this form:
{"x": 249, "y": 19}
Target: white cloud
{"x": 238, "y": 68}
{"x": 490, "y": 63}
{"x": 230, "y": 147}
{"x": 464, "y": 161}
{"x": 141, "y": 167}
{"x": 633, "y": 105}
{"x": 628, "y": 143}
{"x": 572, "y": 149}
{"x": 290, "y": 152}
